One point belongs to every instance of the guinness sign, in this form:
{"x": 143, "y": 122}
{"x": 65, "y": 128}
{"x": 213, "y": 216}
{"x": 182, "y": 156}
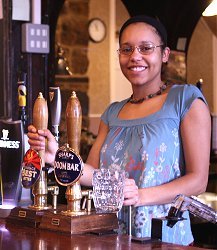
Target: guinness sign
{"x": 11, "y": 154}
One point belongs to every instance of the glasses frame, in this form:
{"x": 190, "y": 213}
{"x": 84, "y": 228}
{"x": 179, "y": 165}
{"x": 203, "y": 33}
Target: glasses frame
{"x": 153, "y": 47}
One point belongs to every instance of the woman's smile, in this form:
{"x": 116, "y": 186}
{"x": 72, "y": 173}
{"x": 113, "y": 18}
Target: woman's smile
{"x": 138, "y": 68}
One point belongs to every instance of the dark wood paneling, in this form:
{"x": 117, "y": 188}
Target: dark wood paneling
{"x": 39, "y": 67}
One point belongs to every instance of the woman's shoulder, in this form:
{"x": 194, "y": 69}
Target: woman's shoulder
{"x": 112, "y": 110}
{"x": 182, "y": 96}
{"x": 116, "y": 106}
{"x": 184, "y": 87}
{"x": 186, "y": 90}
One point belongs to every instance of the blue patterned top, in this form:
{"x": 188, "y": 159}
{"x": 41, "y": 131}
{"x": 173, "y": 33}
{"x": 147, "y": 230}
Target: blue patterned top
{"x": 150, "y": 150}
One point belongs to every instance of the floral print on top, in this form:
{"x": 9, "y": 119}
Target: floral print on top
{"x": 150, "y": 150}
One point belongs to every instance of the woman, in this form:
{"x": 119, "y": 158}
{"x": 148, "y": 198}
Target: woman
{"x": 160, "y": 135}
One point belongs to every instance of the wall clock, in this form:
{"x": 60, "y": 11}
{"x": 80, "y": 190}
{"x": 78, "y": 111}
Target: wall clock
{"x": 96, "y": 30}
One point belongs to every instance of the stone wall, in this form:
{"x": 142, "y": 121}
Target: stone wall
{"x": 72, "y": 38}
{"x": 89, "y": 62}
{"x": 72, "y": 35}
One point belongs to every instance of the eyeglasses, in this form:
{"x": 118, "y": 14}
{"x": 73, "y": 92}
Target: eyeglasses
{"x": 128, "y": 50}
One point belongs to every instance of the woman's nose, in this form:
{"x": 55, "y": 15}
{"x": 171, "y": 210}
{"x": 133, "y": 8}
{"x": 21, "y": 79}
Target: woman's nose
{"x": 136, "y": 54}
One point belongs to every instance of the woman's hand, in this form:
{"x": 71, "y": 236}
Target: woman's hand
{"x": 43, "y": 140}
{"x": 131, "y": 193}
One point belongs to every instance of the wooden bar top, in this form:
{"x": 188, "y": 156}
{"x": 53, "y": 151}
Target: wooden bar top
{"x": 27, "y": 238}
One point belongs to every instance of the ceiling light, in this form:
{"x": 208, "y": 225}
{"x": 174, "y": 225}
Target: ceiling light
{"x": 211, "y": 10}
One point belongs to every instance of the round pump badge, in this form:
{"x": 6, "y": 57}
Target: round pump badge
{"x": 31, "y": 168}
{"x": 68, "y": 166}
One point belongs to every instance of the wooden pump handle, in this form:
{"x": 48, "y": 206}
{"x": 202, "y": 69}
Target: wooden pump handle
{"x": 73, "y": 122}
{"x": 40, "y": 113}
{"x": 40, "y": 119}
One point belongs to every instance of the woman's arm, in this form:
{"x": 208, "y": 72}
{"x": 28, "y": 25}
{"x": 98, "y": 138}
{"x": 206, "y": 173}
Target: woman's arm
{"x": 196, "y": 136}
{"x": 93, "y": 157}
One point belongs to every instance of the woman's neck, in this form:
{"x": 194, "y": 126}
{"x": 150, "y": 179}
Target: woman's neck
{"x": 146, "y": 89}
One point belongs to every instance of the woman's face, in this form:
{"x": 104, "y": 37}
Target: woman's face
{"x": 142, "y": 69}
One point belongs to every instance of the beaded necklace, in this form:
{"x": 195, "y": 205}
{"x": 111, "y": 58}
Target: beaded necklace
{"x": 138, "y": 101}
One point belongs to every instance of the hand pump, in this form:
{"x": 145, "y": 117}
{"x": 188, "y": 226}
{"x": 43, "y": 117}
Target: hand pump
{"x": 40, "y": 121}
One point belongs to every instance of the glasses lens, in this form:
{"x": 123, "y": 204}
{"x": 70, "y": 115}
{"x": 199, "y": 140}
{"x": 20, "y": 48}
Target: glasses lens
{"x": 146, "y": 49}
{"x": 126, "y": 50}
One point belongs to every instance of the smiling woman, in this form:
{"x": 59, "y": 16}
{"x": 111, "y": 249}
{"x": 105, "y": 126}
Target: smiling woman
{"x": 152, "y": 139}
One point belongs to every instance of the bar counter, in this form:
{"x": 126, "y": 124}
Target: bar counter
{"x": 27, "y": 238}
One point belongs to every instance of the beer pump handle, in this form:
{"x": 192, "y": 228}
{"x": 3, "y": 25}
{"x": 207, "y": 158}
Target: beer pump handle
{"x": 22, "y": 93}
{"x": 73, "y": 122}
{"x": 40, "y": 118}
{"x": 55, "y": 110}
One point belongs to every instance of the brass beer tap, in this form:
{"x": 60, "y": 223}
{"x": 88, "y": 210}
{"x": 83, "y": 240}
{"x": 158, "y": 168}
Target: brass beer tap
{"x": 68, "y": 167}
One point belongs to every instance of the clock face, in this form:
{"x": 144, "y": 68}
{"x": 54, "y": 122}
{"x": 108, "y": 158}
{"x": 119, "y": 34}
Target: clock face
{"x": 97, "y": 30}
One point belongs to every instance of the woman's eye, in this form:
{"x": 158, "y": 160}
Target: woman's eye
{"x": 127, "y": 50}
{"x": 146, "y": 48}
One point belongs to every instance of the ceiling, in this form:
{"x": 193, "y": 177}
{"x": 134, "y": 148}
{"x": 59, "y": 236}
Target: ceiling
{"x": 179, "y": 16}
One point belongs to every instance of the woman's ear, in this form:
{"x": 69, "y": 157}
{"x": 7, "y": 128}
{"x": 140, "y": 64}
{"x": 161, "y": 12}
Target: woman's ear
{"x": 166, "y": 53}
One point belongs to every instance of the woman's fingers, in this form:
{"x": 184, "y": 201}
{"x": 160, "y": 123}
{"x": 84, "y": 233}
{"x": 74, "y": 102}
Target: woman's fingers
{"x": 131, "y": 193}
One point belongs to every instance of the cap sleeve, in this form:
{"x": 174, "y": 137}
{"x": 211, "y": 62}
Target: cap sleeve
{"x": 190, "y": 93}
{"x": 110, "y": 113}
